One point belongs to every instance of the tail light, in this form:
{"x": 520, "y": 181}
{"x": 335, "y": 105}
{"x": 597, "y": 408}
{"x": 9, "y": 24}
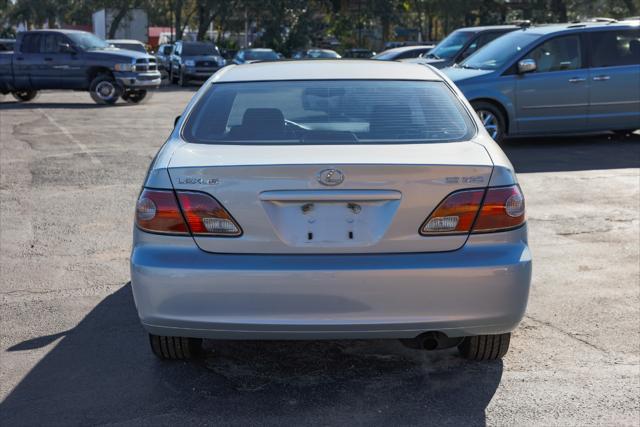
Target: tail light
{"x": 478, "y": 211}
{"x": 206, "y": 216}
{"x": 158, "y": 211}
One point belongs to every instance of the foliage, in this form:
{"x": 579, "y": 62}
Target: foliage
{"x": 286, "y": 25}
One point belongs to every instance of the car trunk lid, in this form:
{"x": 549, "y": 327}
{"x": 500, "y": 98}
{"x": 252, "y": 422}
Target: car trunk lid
{"x": 331, "y": 198}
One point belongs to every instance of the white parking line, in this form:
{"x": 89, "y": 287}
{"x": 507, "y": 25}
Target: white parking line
{"x": 72, "y": 138}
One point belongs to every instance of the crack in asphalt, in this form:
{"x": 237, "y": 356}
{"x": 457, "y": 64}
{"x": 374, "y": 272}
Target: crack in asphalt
{"x": 567, "y": 333}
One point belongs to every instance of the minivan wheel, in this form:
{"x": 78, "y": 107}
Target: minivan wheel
{"x": 485, "y": 347}
{"x": 492, "y": 119}
{"x": 24, "y": 95}
{"x": 175, "y": 348}
{"x": 104, "y": 89}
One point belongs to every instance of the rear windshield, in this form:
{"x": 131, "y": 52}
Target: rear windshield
{"x": 328, "y": 112}
{"x": 194, "y": 49}
{"x": 263, "y": 55}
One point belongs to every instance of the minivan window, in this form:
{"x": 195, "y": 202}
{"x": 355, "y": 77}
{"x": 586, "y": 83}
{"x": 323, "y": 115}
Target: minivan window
{"x": 614, "y": 48}
{"x": 328, "y": 112}
{"x": 558, "y": 54}
{"x": 499, "y": 52}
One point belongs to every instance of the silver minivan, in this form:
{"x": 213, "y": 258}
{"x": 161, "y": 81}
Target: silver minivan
{"x": 556, "y": 79}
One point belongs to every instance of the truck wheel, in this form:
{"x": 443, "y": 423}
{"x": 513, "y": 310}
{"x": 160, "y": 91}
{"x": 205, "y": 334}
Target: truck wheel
{"x": 134, "y": 96}
{"x": 492, "y": 119}
{"x": 485, "y": 347}
{"x": 105, "y": 90}
{"x": 175, "y": 348}
{"x": 24, "y": 95}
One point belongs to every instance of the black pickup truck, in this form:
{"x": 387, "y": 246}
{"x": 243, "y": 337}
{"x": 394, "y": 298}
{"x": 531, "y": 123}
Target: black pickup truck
{"x": 76, "y": 60}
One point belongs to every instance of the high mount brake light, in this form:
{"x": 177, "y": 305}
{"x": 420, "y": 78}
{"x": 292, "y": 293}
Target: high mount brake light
{"x": 158, "y": 211}
{"x": 206, "y": 216}
{"x": 463, "y": 211}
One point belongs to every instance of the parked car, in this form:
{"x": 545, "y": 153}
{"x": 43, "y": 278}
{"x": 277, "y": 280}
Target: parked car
{"x": 462, "y": 43}
{"x": 556, "y": 79}
{"x": 403, "y": 52}
{"x": 67, "y": 59}
{"x": 358, "y": 53}
{"x": 316, "y": 53}
{"x": 194, "y": 61}
{"x": 252, "y": 55}
{"x": 134, "y": 45}
{"x": 330, "y": 201}
{"x": 6, "y": 45}
{"x": 163, "y": 56}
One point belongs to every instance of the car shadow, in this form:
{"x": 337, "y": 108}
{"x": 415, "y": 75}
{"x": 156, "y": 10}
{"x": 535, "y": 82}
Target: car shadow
{"x": 556, "y": 154}
{"x": 102, "y": 371}
{"x": 14, "y": 105}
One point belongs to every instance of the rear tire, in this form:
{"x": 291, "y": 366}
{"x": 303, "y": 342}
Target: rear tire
{"x": 24, "y": 95}
{"x": 485, "y": 347}
{"x": 175, "y": 348}
{"x": 493, "y": 120}
{"x": 105, "y": 90}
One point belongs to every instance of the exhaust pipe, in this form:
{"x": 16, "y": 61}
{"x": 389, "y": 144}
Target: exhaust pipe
{"x": 431, "y": 341}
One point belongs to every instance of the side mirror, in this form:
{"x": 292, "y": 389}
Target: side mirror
{"x": 66, "y": 48}
{"x": 176, "y": 120}
{"x": 527, "y": 66}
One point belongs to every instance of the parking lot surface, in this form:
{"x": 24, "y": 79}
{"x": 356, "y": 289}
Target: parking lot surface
{"x": 72, "y": 350}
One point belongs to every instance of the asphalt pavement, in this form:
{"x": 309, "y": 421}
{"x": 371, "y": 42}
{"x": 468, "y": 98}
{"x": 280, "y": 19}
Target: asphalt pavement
{"x": 72, "y": 350}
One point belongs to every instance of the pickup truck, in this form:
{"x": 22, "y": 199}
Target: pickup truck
{"x": 76, "y": 60}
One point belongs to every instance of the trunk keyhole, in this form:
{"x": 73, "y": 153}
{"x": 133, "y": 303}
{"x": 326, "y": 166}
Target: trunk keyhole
{"x": 309, "y": 236}
{"x": 351, "y": 235}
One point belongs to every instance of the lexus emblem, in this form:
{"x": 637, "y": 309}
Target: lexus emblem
{"x": 330, "y": 177}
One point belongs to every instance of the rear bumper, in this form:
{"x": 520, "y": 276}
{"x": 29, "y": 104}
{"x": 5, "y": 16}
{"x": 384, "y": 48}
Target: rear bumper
{"x": 181, "y": 290}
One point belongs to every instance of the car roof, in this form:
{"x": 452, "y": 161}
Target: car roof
{"x": 579, "y": 26}
{"x": 407, "y": 48}
{"x": 325, "y": 69}
{"x": 481, "y": 28}
{"x": 124, "y": 41}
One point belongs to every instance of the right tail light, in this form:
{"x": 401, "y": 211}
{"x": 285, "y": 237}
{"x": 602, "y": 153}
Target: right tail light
{"x": 477, "y": 211}
{"x": 159, "y": 211}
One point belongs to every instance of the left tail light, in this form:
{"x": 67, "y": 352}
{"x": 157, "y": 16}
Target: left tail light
{"x": 159, "y": 211}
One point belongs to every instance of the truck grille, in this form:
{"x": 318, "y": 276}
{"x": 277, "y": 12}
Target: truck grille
{"x": 206, "y": 64}
{"x": 146, "y": 64}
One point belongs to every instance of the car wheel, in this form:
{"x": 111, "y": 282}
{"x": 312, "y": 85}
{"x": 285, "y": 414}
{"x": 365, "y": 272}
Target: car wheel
{"x": 24, "y": 95}
{"x": 182, "y": 81}
{"x": 105, "y": 90}
{"x": 135, "y": 96}
{"x": 485, "y": 347}
{"x": 175, "y": 348}
{"x": 492, "y": 119}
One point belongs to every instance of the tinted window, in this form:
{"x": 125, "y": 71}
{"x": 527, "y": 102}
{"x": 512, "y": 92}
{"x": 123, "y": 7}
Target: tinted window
{"x": 412, "y": 53}
{"x": 193, "y": 49}
{"x": 30, "y": 43}
{"x": 612, "y": 48}
{"x": 325, "y": 112}
{"x": 262, "y": 55}
{"x": 167, "y": 50}
{"x": 557, "y": 54}
{"x": 52, "y": 43}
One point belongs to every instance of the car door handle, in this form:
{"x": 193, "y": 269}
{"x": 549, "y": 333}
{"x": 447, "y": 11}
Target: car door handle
{"x": 601, "y": 78}
{"x": 576, "y": 80}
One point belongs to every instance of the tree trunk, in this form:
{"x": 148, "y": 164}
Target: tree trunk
{"x": 177, "y": 13}
{"x": 113, "y": 28}
{"x": 204, "y": 19}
